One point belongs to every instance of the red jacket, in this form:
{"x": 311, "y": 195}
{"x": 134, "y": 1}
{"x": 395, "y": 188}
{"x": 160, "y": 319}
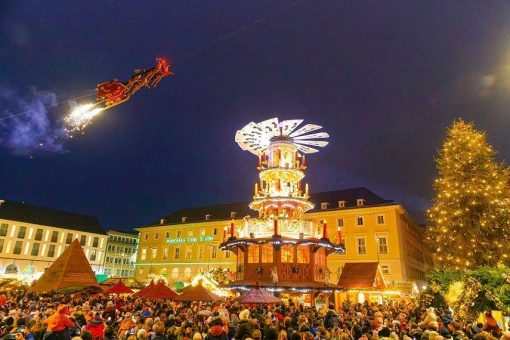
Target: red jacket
{"x": 96, "y": 328}
{"x": 59, "y": 320}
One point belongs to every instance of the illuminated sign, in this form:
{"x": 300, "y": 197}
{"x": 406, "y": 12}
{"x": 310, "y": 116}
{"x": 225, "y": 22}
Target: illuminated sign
{"x": 190, "y": 239}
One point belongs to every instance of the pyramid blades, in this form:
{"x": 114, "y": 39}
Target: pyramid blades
{"x": 305, "y": 129}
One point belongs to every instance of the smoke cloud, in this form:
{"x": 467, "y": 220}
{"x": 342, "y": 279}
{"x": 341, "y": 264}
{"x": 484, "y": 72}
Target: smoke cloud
{"x": 27, "y": 124}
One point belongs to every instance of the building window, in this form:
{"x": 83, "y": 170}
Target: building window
{"x": 287, "y": 254}
{"x": 83, "y": 240}
{"x": 51, "y": 250}
{"x": 385, "y": 269}
{"x": 143, "y": 255}
{"x": 35, "y": 249}
{"x": 178, "y": 233}
{"x": 93, "y": 255}
{"x": 267, "y": 253}
{"x": 190, "y": 233}
{"x": 380, "y": 219}
{"x": 188, "y": 252}
{"x": 38, "y": 235}
{"x": 303, "y": 254}
{"x": 360, "y": 202}
{"x": 340, "y": 222}
{"x": 3, "y": 229}
{"x": 177, "y": 253}
{"x": 1, "y": 244}
{"x": 341, "y": 204}
{"x": 187, "y": 273}
{"x": 359, "y": 220}
{"x": 324, "y": 205}
{"x": 215, "y": 231}
{"x": 227, "y": 254}
{"x": 383, "y": 245}
{"x": 22, "y": 231}
{"x": 95, "y": 242}
{"x": 214, "y": 251}
{"x": 175, "y": 273}
{"x": 69, "y": 238}
{"x": 156, "y": 236}
{"x": 167, "y": 234}
{"x": 362, "y": 245}
{"x": 54, "y": 236}
{"x": 17, "y": 247}
{"x": 154, "y": 253}
{"x": 253, "y": 253}
{"x": 165, "y": 253}
{"x": 200, "y": 252}
{"x": 202, "y": 231}
{"x": 146, "y": 236}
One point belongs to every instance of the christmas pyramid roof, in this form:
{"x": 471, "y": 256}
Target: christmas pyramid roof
{"x": 70, "y": 269}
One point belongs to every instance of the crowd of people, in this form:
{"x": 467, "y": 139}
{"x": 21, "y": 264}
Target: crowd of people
{"x": 24, "y": 315}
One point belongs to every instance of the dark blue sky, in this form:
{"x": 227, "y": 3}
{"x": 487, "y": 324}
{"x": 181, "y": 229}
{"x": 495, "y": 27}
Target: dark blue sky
{"x": 385, "y": 79}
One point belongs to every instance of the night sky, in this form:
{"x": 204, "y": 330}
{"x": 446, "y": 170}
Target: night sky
{"x": 385, "y": 79}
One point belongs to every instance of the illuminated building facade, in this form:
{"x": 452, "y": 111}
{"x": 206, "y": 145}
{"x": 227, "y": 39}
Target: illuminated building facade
{"x": 120, "y": 254}
{"x": 373, "y": 229}
{"x": 32, "y": 237}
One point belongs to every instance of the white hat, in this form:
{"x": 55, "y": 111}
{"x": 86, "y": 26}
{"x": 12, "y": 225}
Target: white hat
{"x": 244, "y": 315}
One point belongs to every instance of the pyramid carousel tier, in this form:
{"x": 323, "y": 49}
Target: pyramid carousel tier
{"x": 242, "y": 245}
{"x": 283, "y": 174}
{"x": 287, "y": 227}
{"x": 275, "y": 202}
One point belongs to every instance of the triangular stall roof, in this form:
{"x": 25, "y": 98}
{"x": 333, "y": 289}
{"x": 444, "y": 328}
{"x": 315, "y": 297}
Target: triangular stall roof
{"x": 366, "y": 275}
{"x": 70, "y": 269}
{"x": 118, "y": 288}
{"x": 258, "y": 295}
{"x": 157, "y": 290}
{"x": 197, "y": 293}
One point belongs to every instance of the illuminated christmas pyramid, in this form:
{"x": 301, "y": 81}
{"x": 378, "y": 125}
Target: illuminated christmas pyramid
{"x": 279, "y": 248}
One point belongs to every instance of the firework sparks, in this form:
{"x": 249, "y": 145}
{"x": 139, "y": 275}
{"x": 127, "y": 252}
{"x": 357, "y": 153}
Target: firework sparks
{"x": 81, "y": 117}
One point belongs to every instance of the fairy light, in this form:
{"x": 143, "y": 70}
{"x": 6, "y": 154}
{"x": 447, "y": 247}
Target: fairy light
{"x": 471, "y": 207}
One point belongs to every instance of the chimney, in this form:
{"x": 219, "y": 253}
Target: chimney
{"x": 184, "y": 219}
{"x": 162, "y": 221}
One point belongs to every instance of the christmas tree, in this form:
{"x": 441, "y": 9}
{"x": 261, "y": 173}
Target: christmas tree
{"x": 470, "y": 212}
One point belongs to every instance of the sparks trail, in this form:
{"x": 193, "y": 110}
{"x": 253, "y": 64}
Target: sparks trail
{"x": 114, "y": 92}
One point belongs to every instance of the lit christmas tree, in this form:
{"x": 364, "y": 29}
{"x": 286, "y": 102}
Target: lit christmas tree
{"x": 470, "y": 215}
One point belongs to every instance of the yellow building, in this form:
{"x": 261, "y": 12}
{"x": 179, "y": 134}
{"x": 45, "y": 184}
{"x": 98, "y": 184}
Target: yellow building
{"x": 185, "y": 243}
{"x": 32, "y": 237}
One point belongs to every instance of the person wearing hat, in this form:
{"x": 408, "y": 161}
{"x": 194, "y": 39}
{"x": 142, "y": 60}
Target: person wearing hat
{"x": 244, "y": 328}
{"x": 58, "y": 323}
{"x": 216, "y": 331}
{"x": 96, "y": 326}
{"x": 127, "y": 326}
